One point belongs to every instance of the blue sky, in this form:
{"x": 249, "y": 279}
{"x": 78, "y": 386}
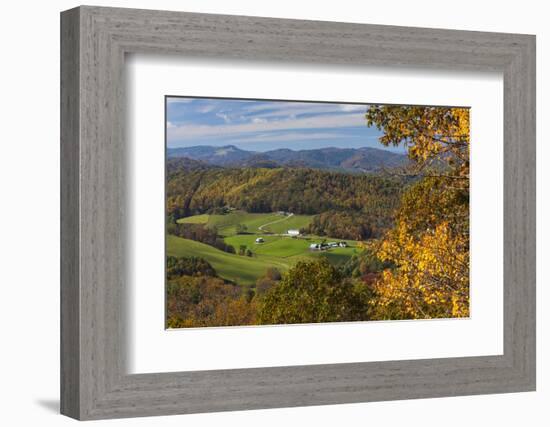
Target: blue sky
{"x": 268, "y": 125}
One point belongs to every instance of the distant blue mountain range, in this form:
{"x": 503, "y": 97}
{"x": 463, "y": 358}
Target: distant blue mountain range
{"x": 366, "y": 159}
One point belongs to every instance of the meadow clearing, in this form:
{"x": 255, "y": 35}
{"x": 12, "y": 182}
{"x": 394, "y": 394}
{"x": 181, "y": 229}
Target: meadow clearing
{"x": 241, "y": 229}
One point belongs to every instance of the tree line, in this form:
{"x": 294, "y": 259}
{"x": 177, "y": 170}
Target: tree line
{"x": 199, "y": 233}
{"x": 298, "y": 190}
{"x": 349, "y": 224}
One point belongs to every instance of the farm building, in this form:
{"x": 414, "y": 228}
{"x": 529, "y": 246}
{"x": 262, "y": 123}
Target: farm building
{"x": 259, "y": 240}
{"x": 318, "y": 247}
{"x": 293, "y": 232}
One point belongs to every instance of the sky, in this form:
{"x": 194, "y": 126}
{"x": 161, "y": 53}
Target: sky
{"x": 257, "y": 125}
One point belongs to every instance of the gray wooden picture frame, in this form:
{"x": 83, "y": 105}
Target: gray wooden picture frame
{"x": 94, "y": 41}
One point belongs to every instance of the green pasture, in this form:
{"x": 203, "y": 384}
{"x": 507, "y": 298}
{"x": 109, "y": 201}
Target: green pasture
{"x": 284, "y": 247}
{"x": 294, "y": 222}
{"x": 239, "y": 269}
{"x": 195, "y": 219}
{"x": 276, "y": 251}
{"x": 226, "y": 224}
{"x": 335, "y": 256}
{"x": 249, "y": 240}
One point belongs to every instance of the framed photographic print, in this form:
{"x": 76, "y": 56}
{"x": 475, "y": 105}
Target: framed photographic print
{"x": 261, "y": 213}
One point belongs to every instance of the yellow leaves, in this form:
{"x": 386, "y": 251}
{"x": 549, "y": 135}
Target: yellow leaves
{"x": 431, "y": 134}
{"x": 431, "y": 278}
{"x": 428, "y": 247}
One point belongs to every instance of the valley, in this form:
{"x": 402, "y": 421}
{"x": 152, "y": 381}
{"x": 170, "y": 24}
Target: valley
{"x": 242, "y": 230}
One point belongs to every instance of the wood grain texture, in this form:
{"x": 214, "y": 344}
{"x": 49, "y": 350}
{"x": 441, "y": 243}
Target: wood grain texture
{"x": 70, "y": 297}
{"x": 94, "y": 381}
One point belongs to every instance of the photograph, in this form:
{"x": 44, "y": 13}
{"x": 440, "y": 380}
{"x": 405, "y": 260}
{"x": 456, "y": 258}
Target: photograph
{"x": 293, "y": 212}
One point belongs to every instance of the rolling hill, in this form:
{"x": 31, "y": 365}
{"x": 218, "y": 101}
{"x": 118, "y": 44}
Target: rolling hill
{"x": 297, "y": 190}
{"x": 220, "y": 156}
{"x": 239, "y": 269}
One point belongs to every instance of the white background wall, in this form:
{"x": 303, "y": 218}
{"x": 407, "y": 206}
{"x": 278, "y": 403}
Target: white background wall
{"x": 29, "y": 224}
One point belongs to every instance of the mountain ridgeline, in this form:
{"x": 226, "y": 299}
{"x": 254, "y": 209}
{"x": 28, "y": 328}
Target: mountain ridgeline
{"x": 365, "y": 159}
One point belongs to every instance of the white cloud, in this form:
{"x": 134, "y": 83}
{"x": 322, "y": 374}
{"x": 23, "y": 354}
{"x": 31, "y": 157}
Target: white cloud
{"x": 258, "y": 120}
{"x": 315, "y": 122}
{"x": 352, "y": 107}
{"x": 291, "y": 110}
{"x": 254, "y": 107}
{"x": 223, "y": 116}
{"x": 179, "y": 100}
{"x": 207, "y": 108}
{"x": 291, "y": 136}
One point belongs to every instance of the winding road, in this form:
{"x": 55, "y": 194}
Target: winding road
{"x": 261, "y": 227}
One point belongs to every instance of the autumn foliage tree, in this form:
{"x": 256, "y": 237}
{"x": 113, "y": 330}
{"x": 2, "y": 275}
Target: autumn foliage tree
{"x": 429, "y": 243}
{"x": 311, "y": 292}
{"x": 297, "y": 190}
{"x": 207, "y": 301}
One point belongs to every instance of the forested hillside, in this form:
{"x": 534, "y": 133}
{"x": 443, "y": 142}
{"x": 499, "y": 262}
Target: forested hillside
{"x": 192, "y": 191}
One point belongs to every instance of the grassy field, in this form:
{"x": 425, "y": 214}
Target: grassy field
{"x": 335, "y": 256}
{"x": 226, "y": 224}
{"x": 284, "y": 247}
{"x": 249, "y": 240}
{"x": 277, "y": 250}
{"x": 294, "y": 222}
{"x": 239, "y": 269}
{"x": 196, "y": 219}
